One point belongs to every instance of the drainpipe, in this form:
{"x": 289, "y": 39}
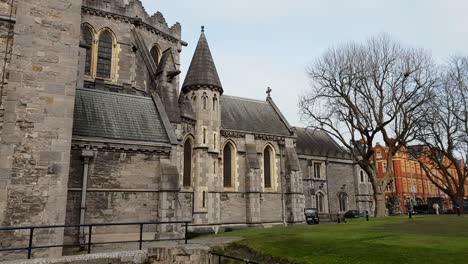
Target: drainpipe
{"x": 87, "y": 155}
{"x": 283, "y": 205}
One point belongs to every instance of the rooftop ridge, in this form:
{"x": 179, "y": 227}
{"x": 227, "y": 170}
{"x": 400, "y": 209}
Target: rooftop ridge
{"x": 244, "y": 98}
{"x": 116, "y": 94}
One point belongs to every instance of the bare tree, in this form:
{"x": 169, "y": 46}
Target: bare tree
{"x": 443, "y": 133}
{"x": 363, "y": 92}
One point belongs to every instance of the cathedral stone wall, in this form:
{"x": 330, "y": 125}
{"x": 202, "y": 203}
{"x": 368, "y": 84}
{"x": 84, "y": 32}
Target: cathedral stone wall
{"x": 123, "y": 186}
{"x": 131, "y": 70}
{"x": 38, "y": 116}
{"x": 271, "y": 207}
{"x": 341, "y": 180}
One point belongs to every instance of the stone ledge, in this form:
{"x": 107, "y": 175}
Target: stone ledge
{"x": 194, "y": 253}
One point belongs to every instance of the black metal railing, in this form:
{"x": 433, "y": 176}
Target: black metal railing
{"x": 220, "y": 258}
{"x": 89, "y": 243}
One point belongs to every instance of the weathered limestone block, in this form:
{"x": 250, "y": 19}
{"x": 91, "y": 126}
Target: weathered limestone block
{"x": 39, "y": 103}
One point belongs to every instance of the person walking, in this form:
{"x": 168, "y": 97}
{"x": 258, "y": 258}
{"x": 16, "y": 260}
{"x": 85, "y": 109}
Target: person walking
{"x": 436, "y": 208}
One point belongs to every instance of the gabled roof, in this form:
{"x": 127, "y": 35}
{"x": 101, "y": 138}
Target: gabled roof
{"x": 241, "y": 114}
{"x": 202, "y": 70}
{"x": 117, "y": 116}
{"x": 316, "y": 142}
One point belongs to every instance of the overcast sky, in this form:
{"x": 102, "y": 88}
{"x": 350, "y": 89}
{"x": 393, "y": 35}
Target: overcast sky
{"x": 260, "y": 43}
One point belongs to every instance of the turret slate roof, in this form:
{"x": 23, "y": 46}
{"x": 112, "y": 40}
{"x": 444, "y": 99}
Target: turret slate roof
{"x": 241, "y": 114}
{"x": 316, "y": 142}
{"x": 117, "y": 116}
{"x": 202, "y": 70}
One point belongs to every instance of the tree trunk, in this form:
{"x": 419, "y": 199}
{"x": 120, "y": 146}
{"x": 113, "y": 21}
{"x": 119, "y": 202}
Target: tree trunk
{"x": 380, "y": 208}
{"x": 459, "y": 202}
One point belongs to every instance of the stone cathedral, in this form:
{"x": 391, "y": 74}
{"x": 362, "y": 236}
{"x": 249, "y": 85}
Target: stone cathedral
{"x": 96, "y": 126}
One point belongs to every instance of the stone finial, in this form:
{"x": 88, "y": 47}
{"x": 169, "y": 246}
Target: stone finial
{"x": 202, "y": 28}
{"x": 269, "y": 90}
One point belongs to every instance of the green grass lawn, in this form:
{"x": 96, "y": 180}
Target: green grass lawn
{"x": 423, "y": 239}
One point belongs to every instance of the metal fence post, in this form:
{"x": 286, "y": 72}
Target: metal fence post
{"x": 219, "y": 259}
{"x": 31, "y": 234}
{"x": 186, "y": 231}
{"x": 141, "y": 236}
{"x": 89, "y": 238}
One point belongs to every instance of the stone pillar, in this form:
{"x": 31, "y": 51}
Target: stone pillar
{"x": 252, "y": 182}
{"x": 294, "y": 194}
{"x": 39, "y": 101}
{"x": 168, "y": 204}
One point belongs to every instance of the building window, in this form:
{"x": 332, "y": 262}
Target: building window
{"x": 379, "y": 154}
{"x": 320, "y": 200}
{"x": 187, "y": 177}
{"x": 204, "y": 199}
{"x": 318, "y": 170}
{"x": 267, "y": 166}
{"x": 205, "y": 99}
{"x": 88, "y": 41}
{"x": 228, "y": 165}
{"x": 104, "y": 63}
{"x": 361, "y": 175}
{"x": 384, "y": 166}
{"x": 343, "y": 198}
{"x": 215, "y": 102}
{"x": 204, "y": 135}
{"x": 154, "y": 52}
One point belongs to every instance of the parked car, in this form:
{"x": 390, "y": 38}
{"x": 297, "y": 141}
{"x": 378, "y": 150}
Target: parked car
{"x": 311, "y": 216}
{"x": 423, "y": 209}
{"x": 354, "y": 214}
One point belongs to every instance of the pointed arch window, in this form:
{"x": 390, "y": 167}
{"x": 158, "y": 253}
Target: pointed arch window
{"x": 320, "y": 202}
{"x": 104, "y": 63}
{"x": 228, "y": 165}
{"x": 87, "y": 36}
{"x": 267, "y": 166}
{"x": 155, "y": 54}
{"x": 342, "y": 198}
{"x": 205, "y": 101}
{"x": 215, "y": 102}
{"x": 187, "y": 177}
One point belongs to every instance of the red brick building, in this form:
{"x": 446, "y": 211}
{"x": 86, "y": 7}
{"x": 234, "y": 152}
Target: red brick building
{"x": 409, "y": 179}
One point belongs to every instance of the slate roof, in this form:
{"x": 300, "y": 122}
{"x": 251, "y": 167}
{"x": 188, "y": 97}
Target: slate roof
{"x": 117, "y": 116}
{"x": 318, "y": 143}
{"x": 249, "y": 115}
{"x": 202, "y": 70}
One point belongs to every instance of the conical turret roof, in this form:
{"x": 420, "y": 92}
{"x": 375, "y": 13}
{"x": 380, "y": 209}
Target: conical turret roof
{"x": 202, "y": 70}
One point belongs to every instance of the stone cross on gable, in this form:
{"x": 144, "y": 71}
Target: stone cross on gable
{"x": 269, "y": 90}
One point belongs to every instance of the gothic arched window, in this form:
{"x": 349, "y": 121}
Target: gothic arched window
{"x": 104, "y": 63}
{"x": 187, "y": 177}
{"x": 267, "y": 166}
{"x": 228, "y": 161}
{"x": 205, "y": 99}
{"x": 215, "y": 102}
{"x": 320, "y": 201}
{"x": 88, "y": 41}
{"x": 155, "y": 54}
{"x": 342, "y": 198}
